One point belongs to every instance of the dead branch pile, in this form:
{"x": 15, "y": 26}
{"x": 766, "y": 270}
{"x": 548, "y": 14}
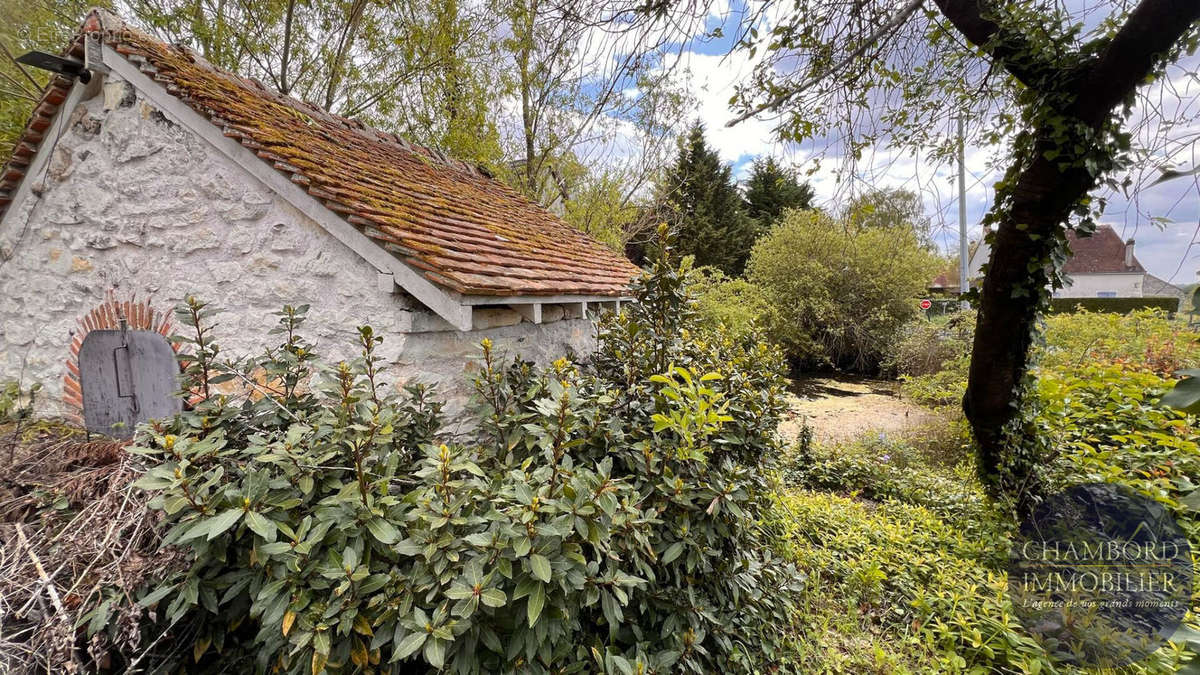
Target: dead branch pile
{"x": 76, "y": 543}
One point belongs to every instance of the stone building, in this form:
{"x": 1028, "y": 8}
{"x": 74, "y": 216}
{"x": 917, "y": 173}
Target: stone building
{"x": 164, "y": 176}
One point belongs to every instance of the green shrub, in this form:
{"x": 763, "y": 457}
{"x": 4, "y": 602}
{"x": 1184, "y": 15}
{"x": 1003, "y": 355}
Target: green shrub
{"x": 612, "y": 520}
{"x": 884, "y": 470}
{"x": 1144, "y": 339}
{"x": 905, "y": 560}
{"x": 924, "y": 346}
{"x": 946, "y": 387}
{"x": 1114, "y": 305}
{"x": 838, "y": 295}
{"x": 934, "y": 592}
{"x": 1107, "y": 426}
{"x": 17, "y": 403}
{"x": 736, "y": 304}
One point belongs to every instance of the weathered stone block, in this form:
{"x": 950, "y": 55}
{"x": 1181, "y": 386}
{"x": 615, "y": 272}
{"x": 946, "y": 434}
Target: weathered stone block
{"x": 485, "y": 318}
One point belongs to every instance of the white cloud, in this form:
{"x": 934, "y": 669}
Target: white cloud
{"x": 712, "y": 79}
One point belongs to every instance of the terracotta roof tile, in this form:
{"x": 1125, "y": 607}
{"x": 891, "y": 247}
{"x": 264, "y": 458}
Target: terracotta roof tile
{"x": 1101, "y": 253}
{"x": 461, "y": 228}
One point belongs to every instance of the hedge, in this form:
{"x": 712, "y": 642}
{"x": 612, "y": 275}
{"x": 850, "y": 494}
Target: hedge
{"x": 1113, "y": 305}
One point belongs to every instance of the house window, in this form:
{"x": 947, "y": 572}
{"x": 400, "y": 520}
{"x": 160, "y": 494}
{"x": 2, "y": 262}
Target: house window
{"x": 1106, "y": 294}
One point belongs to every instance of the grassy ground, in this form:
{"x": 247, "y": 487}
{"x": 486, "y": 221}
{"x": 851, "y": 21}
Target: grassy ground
{"x": 905, "y": 555}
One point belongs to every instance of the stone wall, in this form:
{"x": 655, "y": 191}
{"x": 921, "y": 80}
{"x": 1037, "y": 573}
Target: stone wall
{"x": 133, "y": 204}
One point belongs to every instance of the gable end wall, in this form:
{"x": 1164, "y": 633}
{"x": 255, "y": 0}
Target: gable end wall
{"x": 132, "y": 203}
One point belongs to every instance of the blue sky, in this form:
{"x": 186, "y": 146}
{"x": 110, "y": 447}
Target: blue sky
{"x": 1164, "y": 219}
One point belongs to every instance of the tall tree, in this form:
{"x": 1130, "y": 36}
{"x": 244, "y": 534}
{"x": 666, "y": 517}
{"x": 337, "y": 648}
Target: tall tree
{"x": 44, "y": 25}
{"x": 450, "y": 103}
{"x": 588, "y": 79}
{"x": 704, "y": 199}
{"x": 773, "y": 188}
{"x": 420, "y": 69}
{"x": 890, "y": 208}
{"x": 1055, "y": 81}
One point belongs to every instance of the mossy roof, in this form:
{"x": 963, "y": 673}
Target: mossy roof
{"x": 450, "y": 221}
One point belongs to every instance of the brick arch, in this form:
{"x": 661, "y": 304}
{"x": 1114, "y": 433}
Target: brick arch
{"x": 138, "y": 314}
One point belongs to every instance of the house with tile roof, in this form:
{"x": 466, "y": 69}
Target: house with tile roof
{"x": 163, "y": 176}
{"x": 1101, "y": 266}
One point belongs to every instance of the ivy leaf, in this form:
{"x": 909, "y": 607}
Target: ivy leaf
{"x": 540, "y": 566}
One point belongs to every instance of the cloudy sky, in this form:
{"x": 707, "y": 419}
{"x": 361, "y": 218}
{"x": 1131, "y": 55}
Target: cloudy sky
{"x": 1164, "y": 219}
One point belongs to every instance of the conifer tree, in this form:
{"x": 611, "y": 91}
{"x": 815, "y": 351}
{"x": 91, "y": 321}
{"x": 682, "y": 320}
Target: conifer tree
{"x": 773, "y": 188}
{"x": 712, "y": 224}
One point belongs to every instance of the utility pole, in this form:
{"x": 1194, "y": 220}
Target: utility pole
{"x": 963, "y": 281}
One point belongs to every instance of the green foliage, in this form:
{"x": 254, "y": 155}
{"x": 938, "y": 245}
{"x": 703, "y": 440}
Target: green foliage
{"x": 1142, "y": 340}
{"x": 453, "y": 81}
{"x": 426, "y": 71}
{"x": 1112, "y": 305}
{"x": 838, "y": 295}
{"x": 1030, "y": 74}
{"x": 927, "y": 346}
{"x": 891, "y": 209}
{"x": 598, "y": 206}
{"x": 612, "y": 520}
{"x": 46, "y": 25}
{"x": 772, "y": 189}
{"x": 1185, "y": 395}
{"x": 17, "y": 403}
{"x": 933, "y": 594}
{"x": 1109, "y": 426}
{"x": 881, "y": 469}
{"x": 736, "y": 304}
{"x": 908, "y": 555}
{"x": 1145, "y": 339}
{"x": 711, "y": 224}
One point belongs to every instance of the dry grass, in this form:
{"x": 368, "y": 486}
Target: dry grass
{"x": 73, "y": 534}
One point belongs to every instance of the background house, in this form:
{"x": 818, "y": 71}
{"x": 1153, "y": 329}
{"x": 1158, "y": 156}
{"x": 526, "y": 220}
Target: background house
{"x": 1100, "y": 266}
{"x": 164, "y": 176}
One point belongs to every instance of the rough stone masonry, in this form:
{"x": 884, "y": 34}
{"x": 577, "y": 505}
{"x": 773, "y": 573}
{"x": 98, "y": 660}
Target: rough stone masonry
{"x": 133, "y": 204}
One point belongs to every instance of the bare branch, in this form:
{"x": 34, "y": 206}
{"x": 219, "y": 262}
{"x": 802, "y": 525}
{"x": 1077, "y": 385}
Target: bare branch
{"x": 890, "y": 25}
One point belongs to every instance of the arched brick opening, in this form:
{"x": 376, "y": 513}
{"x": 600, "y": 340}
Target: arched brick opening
{"x": 138, "y": 314}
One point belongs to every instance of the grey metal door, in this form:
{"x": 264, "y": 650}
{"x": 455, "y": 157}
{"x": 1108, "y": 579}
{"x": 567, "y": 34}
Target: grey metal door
{"x": 127, "y": 377}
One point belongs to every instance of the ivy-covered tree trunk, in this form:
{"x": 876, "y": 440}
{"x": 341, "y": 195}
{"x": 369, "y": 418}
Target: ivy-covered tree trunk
{"x": 1074, "y": 105}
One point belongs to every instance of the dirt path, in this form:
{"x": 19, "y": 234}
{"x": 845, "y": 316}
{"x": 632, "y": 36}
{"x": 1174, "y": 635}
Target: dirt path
{"x": 845, "y": 408}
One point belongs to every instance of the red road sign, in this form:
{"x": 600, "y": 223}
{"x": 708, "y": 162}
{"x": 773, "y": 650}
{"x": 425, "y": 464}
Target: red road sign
{"x": 926, "y": 304}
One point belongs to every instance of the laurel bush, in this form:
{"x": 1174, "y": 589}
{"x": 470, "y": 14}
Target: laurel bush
{"x": 611, "y": 518}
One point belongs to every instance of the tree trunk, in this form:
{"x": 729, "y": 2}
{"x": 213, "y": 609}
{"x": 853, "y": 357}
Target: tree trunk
{"x": 1044, "y": 193}
{"x": 1027, "y": 235}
